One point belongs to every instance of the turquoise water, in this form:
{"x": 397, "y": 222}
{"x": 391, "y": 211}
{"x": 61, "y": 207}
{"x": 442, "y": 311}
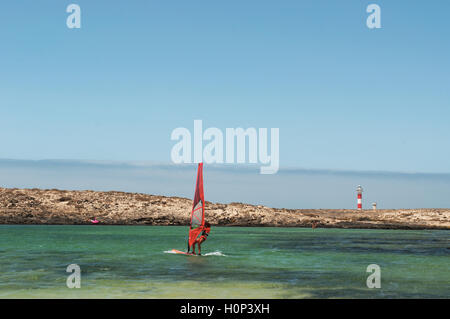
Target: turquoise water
{"x": 133, "y": 262}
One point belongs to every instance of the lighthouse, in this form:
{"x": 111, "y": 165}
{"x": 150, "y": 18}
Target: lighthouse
{"x": 359, "y": 190}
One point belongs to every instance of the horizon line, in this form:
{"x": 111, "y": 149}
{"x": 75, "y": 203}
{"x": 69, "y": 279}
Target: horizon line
{"x": 243, "y": 167}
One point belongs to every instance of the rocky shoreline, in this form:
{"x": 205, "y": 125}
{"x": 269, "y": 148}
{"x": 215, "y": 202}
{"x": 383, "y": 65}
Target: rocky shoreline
{"x": 61, "y": 207}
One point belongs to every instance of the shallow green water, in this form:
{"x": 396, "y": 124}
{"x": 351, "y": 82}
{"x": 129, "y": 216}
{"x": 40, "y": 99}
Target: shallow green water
{"x": 132, "y": 262}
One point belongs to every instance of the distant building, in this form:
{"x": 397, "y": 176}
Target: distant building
{"x": 359, "y": 191}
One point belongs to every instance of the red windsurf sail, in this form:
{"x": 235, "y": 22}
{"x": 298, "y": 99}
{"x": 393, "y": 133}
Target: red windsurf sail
{"x": 198, "y": 209}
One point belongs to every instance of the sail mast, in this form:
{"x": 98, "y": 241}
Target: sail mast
{"x": 198, "y": 209}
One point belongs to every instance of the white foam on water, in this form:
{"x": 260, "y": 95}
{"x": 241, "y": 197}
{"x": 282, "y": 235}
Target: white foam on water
{"x": 169, "y": 252}
{"x": 215, "y": 253}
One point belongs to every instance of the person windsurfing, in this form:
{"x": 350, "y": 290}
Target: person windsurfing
{"x": 203, "y": 236}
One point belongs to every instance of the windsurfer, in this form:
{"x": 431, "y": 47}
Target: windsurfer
{"x": 204, "y": 234}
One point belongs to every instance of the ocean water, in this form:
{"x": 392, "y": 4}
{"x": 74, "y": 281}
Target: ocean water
{"x": 244, "y": 262}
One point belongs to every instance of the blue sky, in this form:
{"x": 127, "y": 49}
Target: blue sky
{"x": 344, "y": 97}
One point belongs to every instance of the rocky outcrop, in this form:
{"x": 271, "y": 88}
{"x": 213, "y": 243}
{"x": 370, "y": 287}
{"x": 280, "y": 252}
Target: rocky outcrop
{"x": 37, "y": 206}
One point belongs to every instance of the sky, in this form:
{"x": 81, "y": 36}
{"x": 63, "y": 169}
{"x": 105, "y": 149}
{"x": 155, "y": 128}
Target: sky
{"x": 344, "y": 97}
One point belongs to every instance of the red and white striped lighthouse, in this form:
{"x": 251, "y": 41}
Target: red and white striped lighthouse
{"x": 359, "y": 190}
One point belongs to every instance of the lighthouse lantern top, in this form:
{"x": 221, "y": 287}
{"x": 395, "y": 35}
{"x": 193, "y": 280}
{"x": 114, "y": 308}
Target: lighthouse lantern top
{"x": 359, "y": 189}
